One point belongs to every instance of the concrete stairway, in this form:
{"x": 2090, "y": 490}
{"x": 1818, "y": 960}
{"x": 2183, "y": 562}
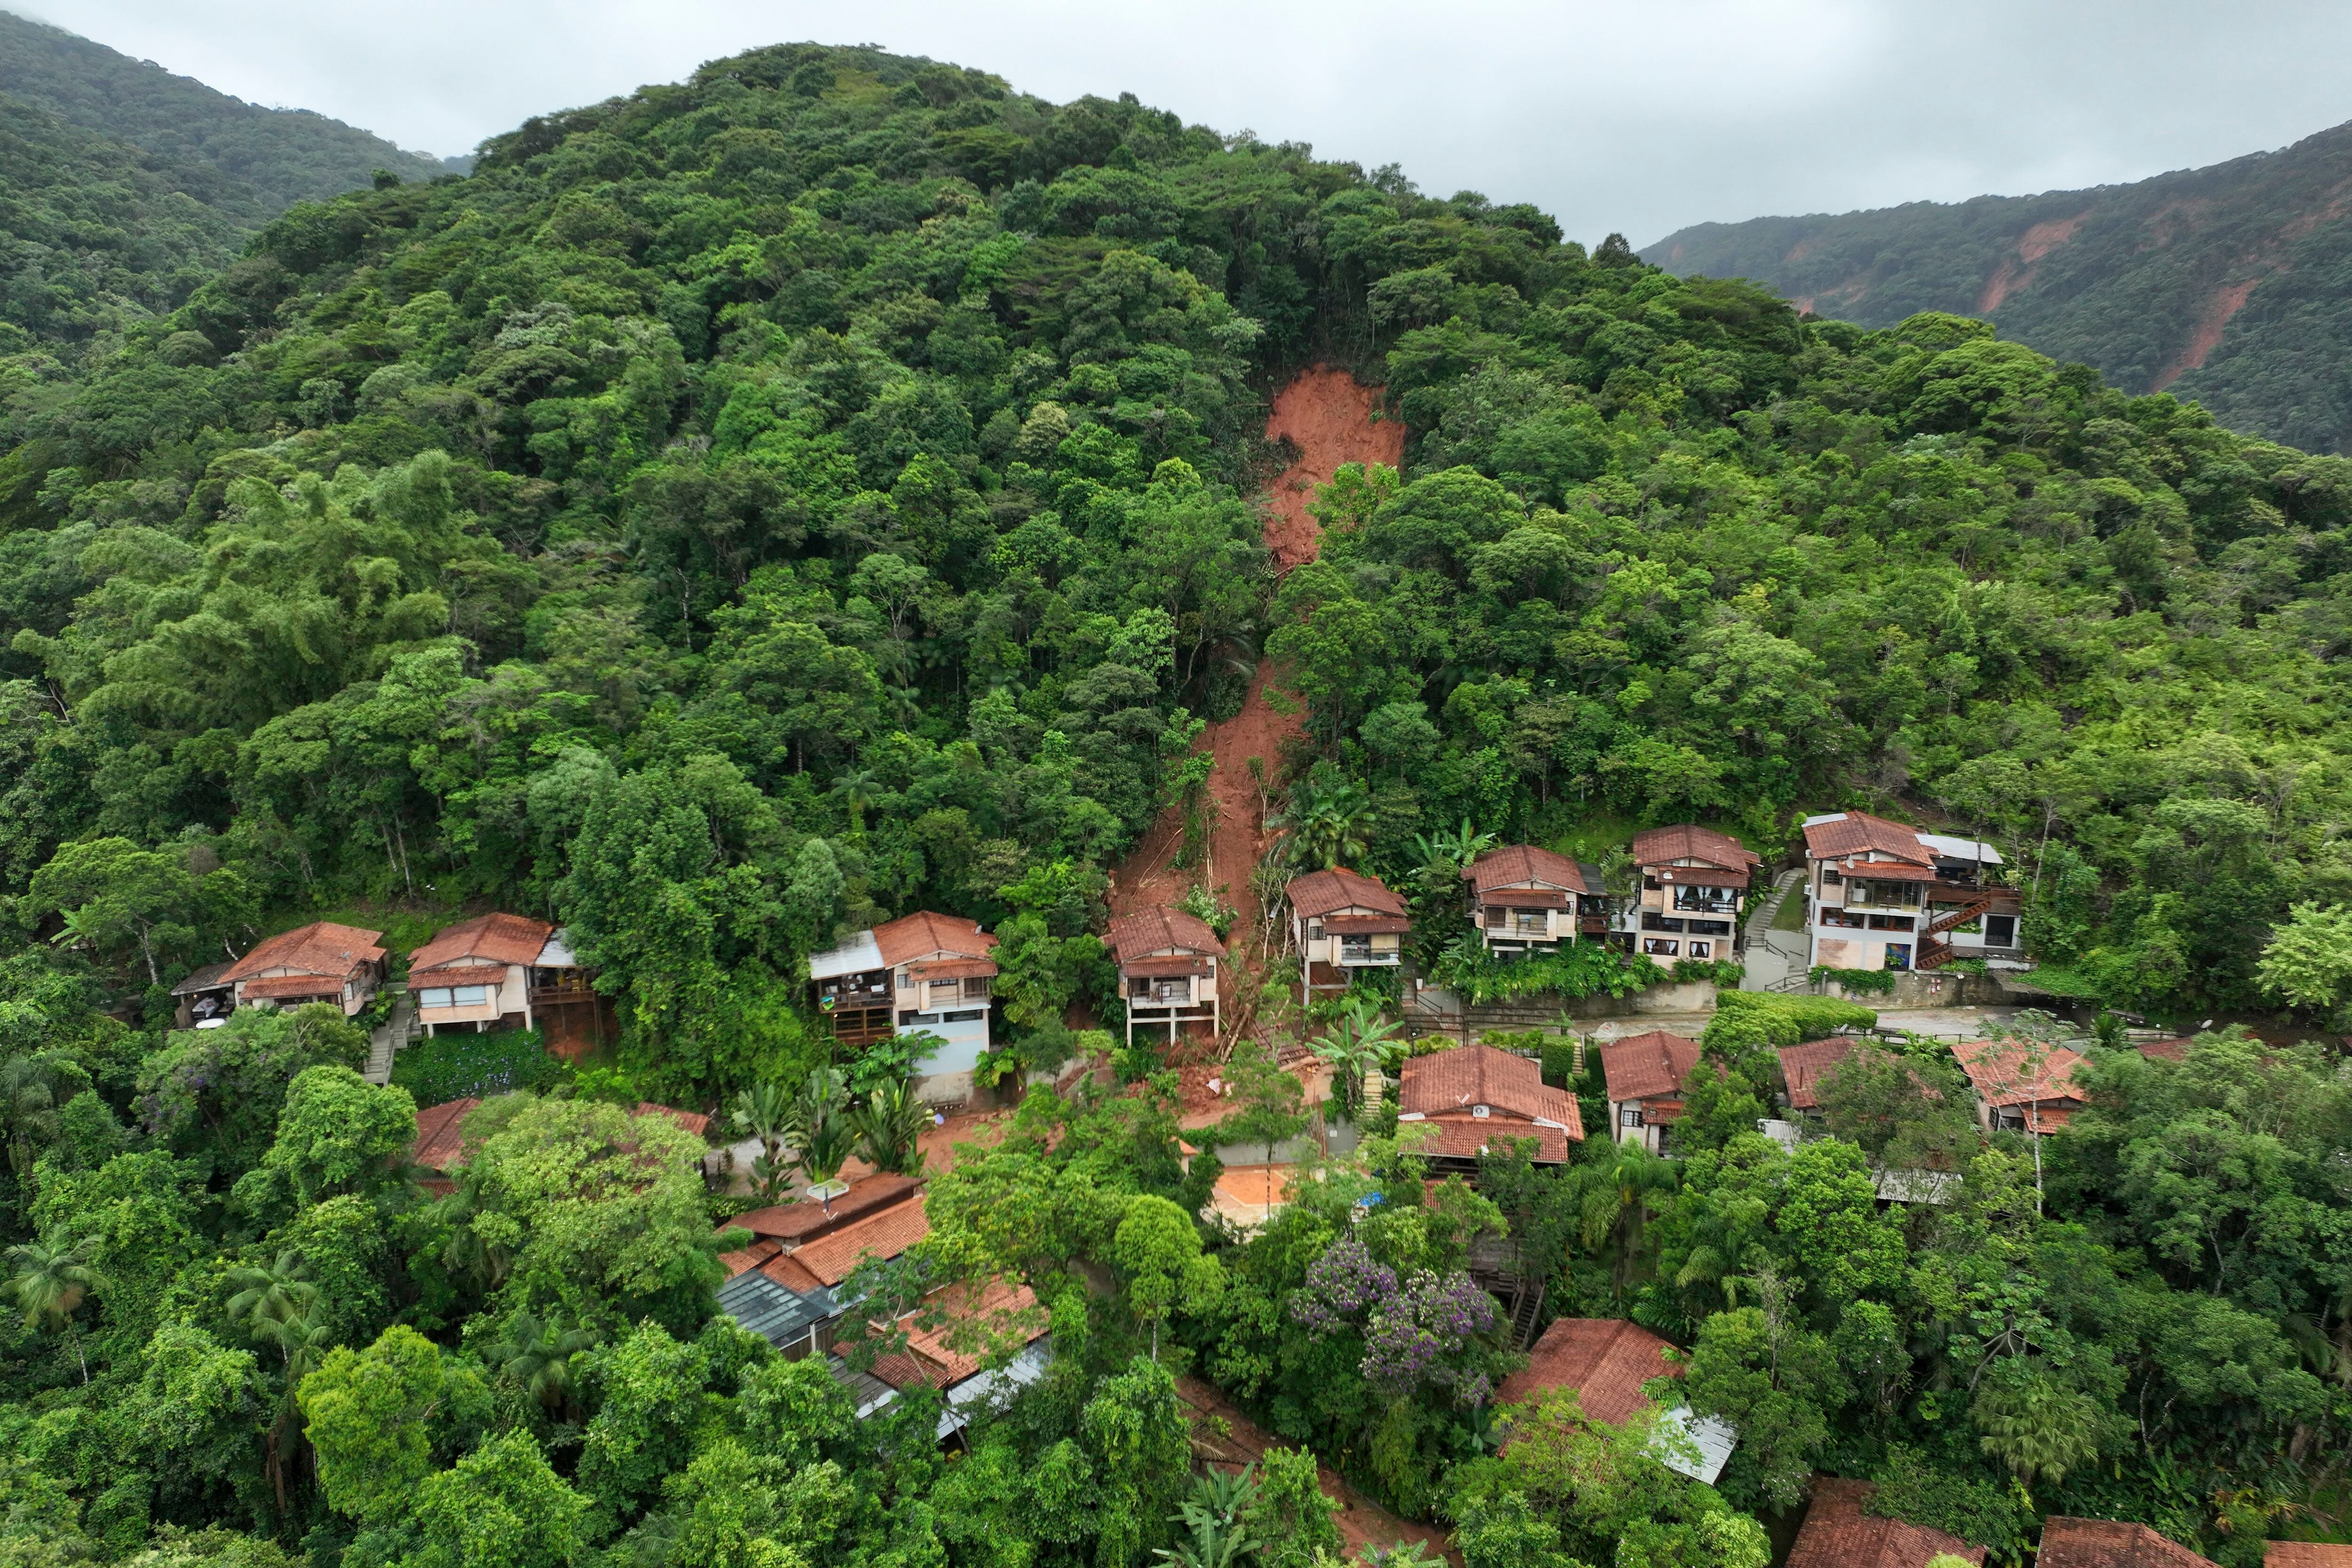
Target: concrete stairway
{"x": 387, "y": 1040}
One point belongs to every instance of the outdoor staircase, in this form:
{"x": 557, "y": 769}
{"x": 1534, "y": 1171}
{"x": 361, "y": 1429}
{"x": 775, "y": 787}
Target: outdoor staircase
{"x": 1525, "y": 1311}
{"x": 387, "y": 1040}
{"x": 1762, "y": 942}
{"x": 1934, "y": 954}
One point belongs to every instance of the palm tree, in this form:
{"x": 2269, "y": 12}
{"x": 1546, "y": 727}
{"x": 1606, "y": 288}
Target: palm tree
{"x": 49, "y": 1280}
{"x": 538, "y": 1354}
{"x": 1357, "y": 1040}
{"x": 1614, "y": 1196}
{"x": 301, "y": 1341}
{"x": 889, "y": 1128}
{"x": 855, "y": 787}
{"x": 276, "y": 1293}
{"x": 465, "y": 1254}
{"x": 766, "y": 1112}
{"x": 821, "y": 1128}
{"x": 28, "y": 1099}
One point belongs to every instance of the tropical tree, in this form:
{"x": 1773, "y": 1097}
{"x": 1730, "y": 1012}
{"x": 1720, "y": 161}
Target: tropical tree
{"x": 274, "y": 1293}
{"x": 537, "y": 1353}
{"x": 2308, "y": 963}
{"x": 1357, "y": 1040}
{"x": 820, "y": 1127}
{"x": 889, "y": 1128}
{"x": 764, "y": 1111}
{"x": 50, "y": 1279}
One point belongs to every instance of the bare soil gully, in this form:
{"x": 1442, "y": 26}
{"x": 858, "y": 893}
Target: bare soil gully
{"x": 1331, "y": 419}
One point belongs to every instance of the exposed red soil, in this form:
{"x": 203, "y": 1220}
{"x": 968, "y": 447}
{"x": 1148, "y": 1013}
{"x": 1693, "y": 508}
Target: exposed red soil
{"x": 2208, "y": 336}
{"x": 2032, "y": 246}
{"x": 1225, "y": 1438}
{"x": 2042, "y": 238}
{"x": 1331, "y": 419}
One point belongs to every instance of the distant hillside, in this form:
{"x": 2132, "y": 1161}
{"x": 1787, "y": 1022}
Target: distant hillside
{"x": 121, "y": 184}
{"x": 2231, "y": 284}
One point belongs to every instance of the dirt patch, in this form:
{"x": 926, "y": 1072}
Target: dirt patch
{"x": 1226, "y": 1438}
{"x": 2042, "y": 238}
{"x": 1329, "y": 420}
{"x": 2208, "y": 336}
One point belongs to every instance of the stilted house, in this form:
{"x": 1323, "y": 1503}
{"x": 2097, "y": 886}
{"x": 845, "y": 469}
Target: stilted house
{"x": 1166, "y": 970}
{"x": 923, "y": 971}
{"x": 1527, "y": 900}
{"x": 1474, "y": 1096}
{"x": 503, "y": 972}
{"x": 321, "y": 962}
{"x": 1884, "y": 897}
{"x": 1646, "y": 1074}
{"x": 1694, "y": 887}
{"x": 1342, "y": 922}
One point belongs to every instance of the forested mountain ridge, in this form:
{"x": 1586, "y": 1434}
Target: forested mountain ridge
{"x": 2230, "y": 283}
{"x": 121, "y": 184}
{"x": 823, "y": 489}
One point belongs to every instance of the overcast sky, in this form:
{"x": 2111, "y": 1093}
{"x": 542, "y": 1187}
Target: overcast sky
{"x": 1635, "y": 115}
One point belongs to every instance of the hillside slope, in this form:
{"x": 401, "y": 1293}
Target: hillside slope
{"x": 122, "y": 185}
{"x": 2231, "y": 284}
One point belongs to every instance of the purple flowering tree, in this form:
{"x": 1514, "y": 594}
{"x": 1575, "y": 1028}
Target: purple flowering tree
{"x": 1419, "y": 1334}
{"x": 1422, "y": 1334}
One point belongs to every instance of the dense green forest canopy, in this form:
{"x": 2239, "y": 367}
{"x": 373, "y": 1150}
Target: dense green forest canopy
{"x": 123, "y": 186}
{"x": 821, "y": 490}
{"x": 2226, "y": 283}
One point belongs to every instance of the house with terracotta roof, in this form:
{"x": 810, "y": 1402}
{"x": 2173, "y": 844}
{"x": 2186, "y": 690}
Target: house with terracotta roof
{"x": 1472, "y": 1096}
{"x": 321, "y": 962}
{"x": 2306, "y": 1554}
{"x": 944, "y": 1337}
{"x": 1840, "y": 1532}
{"x": 922, "y": 971}
{"x": 1605, "y": 1361}
{"x": 1528, "y": 900}
{"x": 1693, "y": 886}
{"x": 2110, "y": 1543}
{"x": 1803, "y": 1068}
{"x": 497, "y": 971}
{"x": 1168, "y": 962}
{"x": 2021, "y": 1085}
{"x": 784, "y": 1284}
{"x": 1342, "y": 923}
{"x": 1646, "y": 1074}
{"x": 440, "y": 1143}
{"x": 1884, "y": 897}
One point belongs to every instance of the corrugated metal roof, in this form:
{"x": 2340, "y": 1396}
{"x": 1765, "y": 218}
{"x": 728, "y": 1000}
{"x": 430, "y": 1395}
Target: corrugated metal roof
{"x": 855, "y": 956}
{"x": 780, "y": 1316}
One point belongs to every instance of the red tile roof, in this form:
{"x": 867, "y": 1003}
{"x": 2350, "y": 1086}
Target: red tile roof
{"x": 1605, "y": 1360}
{"x": 2306, "y": 1554}
{"x": 441, "y": 1134}
{"x": 321, "y": 947}
{"x": 1462, "y": 1136}
{"x": 793, "y": 1274}
{"x": 884, "y": 1233}
{"x": 1153, "y": 930}
{"x": 1806, "y": 1065}
{"x": 2175, "y": 1050}
{"x": 744, "y": 1259}
{"x": 1644, "y": 1066}
{"x": 2005, "y": 1073}
{"x": 951, "y": 969}
{"x": 278, "y": 988}
{"x": 1685, "y": 842}
{"x": 1468, "y": 1075}
{"x": 1006, "y": 1309}
{"x": 806, "y": 1219}
{"x": 1524, "y": 862}
{"x": 1839, "y": 1533}
{"x": 921, "y": 934}
{"x": 1855, "y": 832}
{"x": 491, "y": 939}
{"x": 695, "y": 1121}
{"x": 2107, "y": 1544}
{"x": 1321, "y": 891}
